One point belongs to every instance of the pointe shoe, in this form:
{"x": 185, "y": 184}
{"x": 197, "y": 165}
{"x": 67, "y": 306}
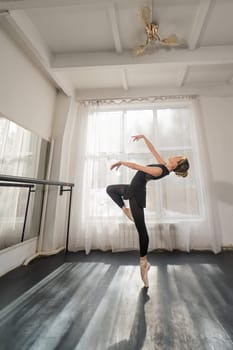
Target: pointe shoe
{"x": 144, "y": 268}
{"x": 128, "y": 213}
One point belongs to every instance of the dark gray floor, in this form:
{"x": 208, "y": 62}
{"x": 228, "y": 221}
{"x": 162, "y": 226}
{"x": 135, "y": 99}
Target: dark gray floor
{"x": 97, "y": 301}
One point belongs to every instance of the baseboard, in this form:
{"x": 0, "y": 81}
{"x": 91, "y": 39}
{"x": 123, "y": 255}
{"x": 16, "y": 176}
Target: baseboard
{"x": 14, "y": 256}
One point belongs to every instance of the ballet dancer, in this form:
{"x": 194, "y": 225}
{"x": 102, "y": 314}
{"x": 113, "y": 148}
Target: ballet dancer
{"x": 135, "y": 192}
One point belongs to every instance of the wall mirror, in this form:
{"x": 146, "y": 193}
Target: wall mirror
{"x": 25, "y": 154}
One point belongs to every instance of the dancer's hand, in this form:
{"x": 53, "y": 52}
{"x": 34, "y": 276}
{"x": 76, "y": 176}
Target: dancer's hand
{"x": 116, "y": 165}
{"x": 138, "y": 137}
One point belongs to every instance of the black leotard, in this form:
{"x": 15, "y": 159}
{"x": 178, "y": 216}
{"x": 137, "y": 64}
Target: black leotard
{"x": 137, "y": 187}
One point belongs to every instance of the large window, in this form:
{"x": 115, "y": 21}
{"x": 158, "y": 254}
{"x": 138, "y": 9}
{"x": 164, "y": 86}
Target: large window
{"x": 172, "y": 131}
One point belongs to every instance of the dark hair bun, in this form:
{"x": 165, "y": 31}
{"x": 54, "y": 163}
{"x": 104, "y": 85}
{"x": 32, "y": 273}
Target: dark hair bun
{"x": 182, "y": 168}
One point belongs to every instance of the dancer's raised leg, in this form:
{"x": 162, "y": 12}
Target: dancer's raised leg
{"x": 116, "y": 192}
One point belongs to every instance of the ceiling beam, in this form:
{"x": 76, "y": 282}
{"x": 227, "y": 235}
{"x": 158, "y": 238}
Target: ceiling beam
{"x": 200, "y": 56}
{"x": 34, "y": 4}
{"x": 18, "y": 24}
{"x": 115, "y": 28}
{"x": 124, "y": 80}
{"x": 208, "y": 90}
{"x": 26, "y": 30}
{"x": 182, "y": 74}
{"x": 199, "y": 23}
{"x": 30, "y": 4}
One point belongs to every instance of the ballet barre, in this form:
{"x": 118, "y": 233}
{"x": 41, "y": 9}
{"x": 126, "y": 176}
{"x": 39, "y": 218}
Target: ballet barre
{"x": 18, "y": 181}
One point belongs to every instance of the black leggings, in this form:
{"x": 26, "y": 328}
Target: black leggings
{"x": 116, "y": 192}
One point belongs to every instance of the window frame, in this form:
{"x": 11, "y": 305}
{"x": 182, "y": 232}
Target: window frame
{"x": 193, "y": 148}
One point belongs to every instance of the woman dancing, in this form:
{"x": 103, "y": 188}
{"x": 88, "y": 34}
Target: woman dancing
{"x": 136, "y": 193}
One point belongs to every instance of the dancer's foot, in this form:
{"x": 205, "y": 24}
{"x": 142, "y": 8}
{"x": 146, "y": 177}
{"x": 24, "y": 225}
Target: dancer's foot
{"x": 144, "y": 268}
{"x": 128, "y": 213}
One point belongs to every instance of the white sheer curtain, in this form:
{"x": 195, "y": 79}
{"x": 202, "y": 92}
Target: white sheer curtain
{"x": 178, "y": 213}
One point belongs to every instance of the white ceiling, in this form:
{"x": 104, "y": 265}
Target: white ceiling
{"x": 85, "y": 46}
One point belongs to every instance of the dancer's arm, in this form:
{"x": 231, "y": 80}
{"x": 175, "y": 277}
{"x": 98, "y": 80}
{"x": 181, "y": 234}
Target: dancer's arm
{"x": 150, "y": 147}
{"x": 146, "y": 169}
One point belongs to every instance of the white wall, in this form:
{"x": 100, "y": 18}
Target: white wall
{"x": 26, "y": 96}
{"x": 217, "y": 122}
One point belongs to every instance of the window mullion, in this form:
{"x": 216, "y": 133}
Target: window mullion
{"x": 158, "y": 200}
{"x": 123, "y": 154}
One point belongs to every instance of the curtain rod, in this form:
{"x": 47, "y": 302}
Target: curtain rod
{"x": 136, "y": 99}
